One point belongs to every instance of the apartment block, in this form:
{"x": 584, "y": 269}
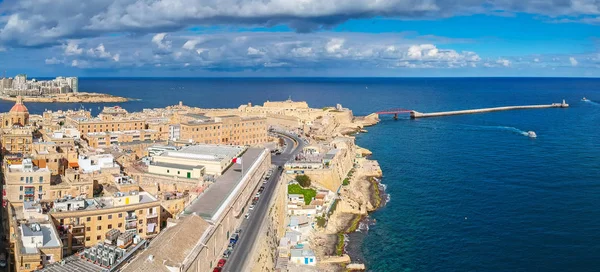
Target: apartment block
{"x": 105, "y": 139}
{"x": 230, "y": 130}
{"x": 87, "y": 221}
{"x": 24, "y": 181}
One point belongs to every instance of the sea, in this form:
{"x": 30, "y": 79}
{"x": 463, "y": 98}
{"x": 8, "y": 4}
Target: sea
{"x": 466, "y": 193}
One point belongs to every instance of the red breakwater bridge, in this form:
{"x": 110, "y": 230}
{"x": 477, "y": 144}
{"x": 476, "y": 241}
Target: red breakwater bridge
{"x": 415, "y": 114}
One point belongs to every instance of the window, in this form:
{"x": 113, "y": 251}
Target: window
{"x": 88, "y": 228}
{"x": 41, "y": 179}
{"x": 141, "y": 221}
{"x": 21, "y": 178}
{"x": 99, "y": 228}
{"x": 140, "y": 212}
{"x": 110, "y": 216}
{"x": 120, "y": 225}
{"x": 40, "y": 188}
{"x": 88, "y": 238}
{"x": 141, "y": 231}
{"x": 98, "y": 237}
{"x": 99, "y": 217}
{"x": 109, "y": 226}
{"x": 89, "y": 219}
{"x": 120, "y": 215}
{"x": 167, "y": 170}
{"x": 21, "y": 188}
{"x": 21, "y": 197}
{"x": 27, "y": 266}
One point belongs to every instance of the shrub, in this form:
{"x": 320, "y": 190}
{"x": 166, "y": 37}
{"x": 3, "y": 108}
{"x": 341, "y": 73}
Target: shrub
{"x": 303, "y": 180}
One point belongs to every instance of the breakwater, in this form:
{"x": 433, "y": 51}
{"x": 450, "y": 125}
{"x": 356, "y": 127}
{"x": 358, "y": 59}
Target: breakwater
{"x": 416, "y": 114}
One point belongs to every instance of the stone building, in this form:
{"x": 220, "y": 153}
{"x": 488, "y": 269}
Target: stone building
{"x": 17, "y": 116}
{"x": 87, "y": 221}
{"x": 24, "y": 181}
{"x": 230, "y": 130}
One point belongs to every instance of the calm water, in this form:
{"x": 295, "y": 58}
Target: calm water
{"x": 468, "y": 193}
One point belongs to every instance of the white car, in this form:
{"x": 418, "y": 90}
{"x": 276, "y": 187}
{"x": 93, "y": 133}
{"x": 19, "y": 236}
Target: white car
{"x": 251, "y": 207}
{"x": 247, "y": 215}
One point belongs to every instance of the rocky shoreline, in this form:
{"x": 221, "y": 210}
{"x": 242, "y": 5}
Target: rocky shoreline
{"x": 71, "y": 98}
{"x": 364, "y": 194}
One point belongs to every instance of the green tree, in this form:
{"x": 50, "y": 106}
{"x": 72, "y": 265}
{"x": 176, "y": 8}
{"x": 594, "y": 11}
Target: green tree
{"x": 303, "y": 180}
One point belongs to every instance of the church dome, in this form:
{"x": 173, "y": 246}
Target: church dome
{"x": 19, "y": 107}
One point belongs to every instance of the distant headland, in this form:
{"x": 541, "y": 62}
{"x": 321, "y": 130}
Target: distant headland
{"x": 58, "y": 90}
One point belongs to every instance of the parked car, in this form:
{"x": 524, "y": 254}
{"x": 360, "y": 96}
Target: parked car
{"x": 247, "y": 215}
{"x": 227, "y": 253}
{"x": 221, "y": 263}
{"x": 233, "y": 238}
{"x": 217, "y": 269}
{"x": 251, "y": 207}
{"x": 238, "y": 231}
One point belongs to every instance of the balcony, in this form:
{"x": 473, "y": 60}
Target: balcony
{"x": 152, "y": 215}
{"x": 131, "y": 217}
{"x": 131, "y": 225}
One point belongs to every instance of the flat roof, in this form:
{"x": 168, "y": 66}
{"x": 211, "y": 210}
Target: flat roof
{"x": 47, "y": 231}
{"x": 177, "y": 166}
{"x": 205, "y": 152}
{"x": 207, "y": 204}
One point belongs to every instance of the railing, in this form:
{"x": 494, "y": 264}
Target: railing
{"x": 130, "y": 217}
{"x": 131, "y": 225}
{"x": 153, "y": 215}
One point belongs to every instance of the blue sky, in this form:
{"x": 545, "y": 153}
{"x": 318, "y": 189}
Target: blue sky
{"x": 300, "y": 38}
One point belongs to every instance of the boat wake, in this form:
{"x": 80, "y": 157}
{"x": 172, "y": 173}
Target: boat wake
{"x": 591, "y": 102}
{"x": 529, "y": 134}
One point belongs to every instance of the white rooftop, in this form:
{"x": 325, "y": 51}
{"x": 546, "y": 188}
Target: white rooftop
{"x": 34, "y": 236}
{"x": 206, "y": 152}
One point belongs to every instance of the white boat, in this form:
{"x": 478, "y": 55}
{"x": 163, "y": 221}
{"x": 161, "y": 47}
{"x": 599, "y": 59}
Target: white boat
{"x": 585, "y": 99}
{"x": 531, "y": 134}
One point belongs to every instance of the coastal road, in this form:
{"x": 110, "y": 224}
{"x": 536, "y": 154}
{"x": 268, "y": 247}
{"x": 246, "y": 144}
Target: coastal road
{"x": 251, "y": 226}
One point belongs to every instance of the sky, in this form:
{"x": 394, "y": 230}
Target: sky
{"x": 312, "y": 38}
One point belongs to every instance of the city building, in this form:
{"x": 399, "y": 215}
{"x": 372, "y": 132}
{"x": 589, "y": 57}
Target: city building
{"x": 37, "y": 244}
{"x": 20, "y": 85}
{"x": 87, "y": 220}
{"x": 195, "y": 161}
{"x": 17, "y": 116}
{"x": 106, "y": 139}
{"x": 197, "y": 239}
{"x": 231, "y": 130}
{"x": 24, "y": 181}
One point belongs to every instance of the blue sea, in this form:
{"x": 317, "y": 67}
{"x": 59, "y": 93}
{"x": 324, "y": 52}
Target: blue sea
{"x": 468, "y": 193}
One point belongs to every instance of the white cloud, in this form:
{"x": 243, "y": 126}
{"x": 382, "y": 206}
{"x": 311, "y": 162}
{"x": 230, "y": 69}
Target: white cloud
{"x": 72, "y": 48}
{"x": 53, "y": 60}
{"x": 573, "y": 61}
{"x": 190, "y": 45}
{"x": 254, "y": 52}
{"x": 116, "y": 57}
{"x": 504, "y": 62}
{"x": 302, "y": 52}
{"x": 536, "y": 60}
{"x": 159, "y": 40}
{"x": 334, "y": 45}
